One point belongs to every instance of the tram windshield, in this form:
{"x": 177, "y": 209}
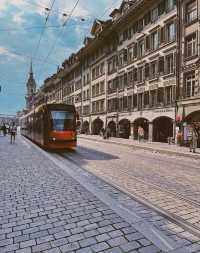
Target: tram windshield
{"x": 62, "y": 120}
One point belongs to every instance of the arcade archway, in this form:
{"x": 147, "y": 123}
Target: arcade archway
{"x": 162, "y": 129}
{"x": 144, "y": 124}
{"x": 113, "y": 128}
{"x": 194, "y": 119}
{"x": 97, "y": 125}
{"x": 85, "y": 127}
{"x": 124, "y": 128}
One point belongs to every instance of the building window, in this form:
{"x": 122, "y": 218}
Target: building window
{"x": 154, "y": 40}
{"x": 141, "y": 48}
{"x": 191, "y": 12}
{"x": 102, "y": 69}
{"x": 130, "y": 54}
{"x": 146, "y": 99}
{"x": 191, "y": 45}
{"x": 102, "y": 106}
{"x": 169, "y": 95}
{"x": 135, "y": 100}
{"x": 102, "y": 87}
{"x": 169, "y": 5}
{"x": 140, "y": 74}
{"x": 160, "y": 99}
{"x": 129, "y": 103}
{"x": 171, "y": 32}
{"x": 153, "y": 68}
{"x": 169, "y": 61}
{"x": 140, "y": 101}
{"x": 153, "y": 98}
{"x": 190, "y": 85}
{"x": 130, "y": 78}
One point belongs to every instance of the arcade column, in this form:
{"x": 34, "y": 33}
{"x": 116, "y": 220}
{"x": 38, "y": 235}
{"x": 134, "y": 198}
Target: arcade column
{"x": 150, "y": 131}
{"x": 132, "y": 130}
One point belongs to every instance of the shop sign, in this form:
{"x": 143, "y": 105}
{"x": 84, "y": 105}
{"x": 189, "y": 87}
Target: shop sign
{"x": 163, "y": 110}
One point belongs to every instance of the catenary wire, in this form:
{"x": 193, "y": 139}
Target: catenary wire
{"x": 43, "y": 30}
{"x": 61, "y": 32}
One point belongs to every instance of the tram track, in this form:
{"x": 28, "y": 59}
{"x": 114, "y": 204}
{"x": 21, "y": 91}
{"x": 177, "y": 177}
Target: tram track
{"x": 153, "y": 191}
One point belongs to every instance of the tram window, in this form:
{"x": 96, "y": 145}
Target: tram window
{"x": 62, "y": 120}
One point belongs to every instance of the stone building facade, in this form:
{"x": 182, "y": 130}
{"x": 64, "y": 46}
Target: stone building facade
{"x": 188, "y": 110}
{"x": 139, "y": 68}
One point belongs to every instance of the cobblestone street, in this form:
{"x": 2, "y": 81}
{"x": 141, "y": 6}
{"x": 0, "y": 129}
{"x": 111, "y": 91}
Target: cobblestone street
{"x": 42, "y": 209}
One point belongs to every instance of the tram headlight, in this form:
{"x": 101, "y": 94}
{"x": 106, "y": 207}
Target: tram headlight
{"x": 52, "y": 139}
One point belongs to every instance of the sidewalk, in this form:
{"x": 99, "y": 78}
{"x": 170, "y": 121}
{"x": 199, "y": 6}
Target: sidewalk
{"x": 164, "y": 148}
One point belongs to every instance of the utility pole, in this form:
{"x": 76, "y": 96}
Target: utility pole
{"x": 178, "y": 57}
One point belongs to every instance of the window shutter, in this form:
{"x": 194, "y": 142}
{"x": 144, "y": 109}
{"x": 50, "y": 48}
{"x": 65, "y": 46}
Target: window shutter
{"x": 162, "y": 35}
{"x": 146, "y": 70}
{"x": 135, "y": 75}
{"x": 135, "y": 50}
{"x": 125, "y": 55}
{"x": 147, "y": 42}
{"x": 161, "y": 64}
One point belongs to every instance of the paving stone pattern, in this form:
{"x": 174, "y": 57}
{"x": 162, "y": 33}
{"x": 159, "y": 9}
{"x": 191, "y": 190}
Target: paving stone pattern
{"x": 136, "y": 171}
{"x": 42, "y": 209}
{"x": 117, "y": 165}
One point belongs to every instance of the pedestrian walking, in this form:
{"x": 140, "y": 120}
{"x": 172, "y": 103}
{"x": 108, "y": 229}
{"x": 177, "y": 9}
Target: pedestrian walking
{"x": 13, "y": 131}
{"x": 140, "y": 133}
{"x": 192, "y": 138}
{"x": 102, "y": 132}
{"x": 4, "y": 129}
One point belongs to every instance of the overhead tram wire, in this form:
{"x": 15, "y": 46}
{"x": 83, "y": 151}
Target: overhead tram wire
{"x": 33, "y": 28}
{"x": 61, "y": 31}
{"x": 64, "y": 24}
{"x": 42, "y": 33}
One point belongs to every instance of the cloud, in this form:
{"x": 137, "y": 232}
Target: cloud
{"x": 5, "y": 52}
{"x": 18, "y": 18}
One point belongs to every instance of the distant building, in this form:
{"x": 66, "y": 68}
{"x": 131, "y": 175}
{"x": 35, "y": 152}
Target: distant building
{"x": 8, "y": 119}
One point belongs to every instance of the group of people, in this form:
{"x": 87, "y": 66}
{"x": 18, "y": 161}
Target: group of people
{"x": 189, "y": 136}
{"x": 12, "y": 130}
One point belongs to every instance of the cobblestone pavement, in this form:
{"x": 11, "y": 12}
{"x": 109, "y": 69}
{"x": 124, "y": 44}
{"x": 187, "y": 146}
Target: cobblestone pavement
{"x": 43, "y": 209}
{"x": 139, "y": 171}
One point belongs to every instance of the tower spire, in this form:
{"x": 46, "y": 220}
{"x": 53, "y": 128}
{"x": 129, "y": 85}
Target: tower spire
{"x": 31, "y": 68}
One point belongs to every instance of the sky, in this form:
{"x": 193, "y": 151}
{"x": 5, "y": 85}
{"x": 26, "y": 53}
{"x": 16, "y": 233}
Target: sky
{"x": 25, "y": 36}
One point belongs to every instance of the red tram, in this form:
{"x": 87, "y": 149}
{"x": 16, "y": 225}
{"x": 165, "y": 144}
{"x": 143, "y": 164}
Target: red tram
{"x": 52, "y": 126}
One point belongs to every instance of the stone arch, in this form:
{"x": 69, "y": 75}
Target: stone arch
{"x": 97, "y": 125}
{"x": 124, "y": 128}
{"x": 144, "y": 123}
{"x": 162, "y": 129}
{"x": 85, "y": 127}
{"x": 194, "y": 118}
{"x": 113, "y": 128}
